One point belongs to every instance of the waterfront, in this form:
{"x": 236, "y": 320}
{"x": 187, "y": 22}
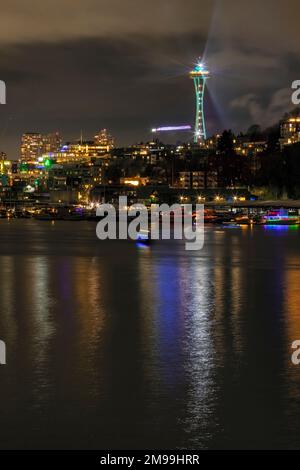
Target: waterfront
{"x": 116, "y": 345}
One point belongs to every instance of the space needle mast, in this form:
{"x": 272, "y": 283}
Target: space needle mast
{"x": 199, "y": 75}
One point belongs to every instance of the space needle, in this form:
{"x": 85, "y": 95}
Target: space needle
{"x": 199, "y": 75}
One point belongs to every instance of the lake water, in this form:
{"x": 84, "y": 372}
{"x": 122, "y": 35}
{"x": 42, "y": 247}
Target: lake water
{"x": 115, "y": 345}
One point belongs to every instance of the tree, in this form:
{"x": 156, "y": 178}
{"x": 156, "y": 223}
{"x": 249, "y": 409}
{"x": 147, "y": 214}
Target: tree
{"x": 273, "y": 136}
{"x": 232, "y": 168}
{"x": 225, "y": 144}
{"x": 292, "y": 170}
{"x": 254, "y": 133}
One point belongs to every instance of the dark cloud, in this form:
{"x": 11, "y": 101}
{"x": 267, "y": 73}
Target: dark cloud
{"x": 59, "y": 20}
{"x": 73, "y": 65}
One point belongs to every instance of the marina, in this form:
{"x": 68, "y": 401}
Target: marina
{"x": 247, "y": 214}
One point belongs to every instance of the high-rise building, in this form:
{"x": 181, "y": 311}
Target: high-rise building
{"x": 32, "y": 146}
{"x": 52, "y": 142}
{"x": 199, "y": 75}
{"x": 290, "y": 131}
{"x": 5, "y": 165}
{"x": 105, "y": 140}
{"x": 35, "y": 144}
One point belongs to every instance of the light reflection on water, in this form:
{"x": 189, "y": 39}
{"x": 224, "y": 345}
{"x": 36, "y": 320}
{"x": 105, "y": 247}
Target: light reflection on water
{"x": 114, "y": 345}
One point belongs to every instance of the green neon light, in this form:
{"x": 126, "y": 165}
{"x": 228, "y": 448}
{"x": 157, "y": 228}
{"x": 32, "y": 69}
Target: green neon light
{"x": 48, "y": 163}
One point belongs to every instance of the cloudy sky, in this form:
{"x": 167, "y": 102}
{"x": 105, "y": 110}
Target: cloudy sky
{"x": 123, "y": 64}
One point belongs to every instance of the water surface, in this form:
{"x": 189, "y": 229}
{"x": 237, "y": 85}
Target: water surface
{"x": 114, "y": 345}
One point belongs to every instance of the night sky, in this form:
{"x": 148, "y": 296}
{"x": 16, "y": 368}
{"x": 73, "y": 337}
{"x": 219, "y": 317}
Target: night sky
{"x": 123, "y": 64}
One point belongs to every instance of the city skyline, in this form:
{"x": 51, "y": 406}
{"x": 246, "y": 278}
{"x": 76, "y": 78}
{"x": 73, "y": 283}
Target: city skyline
{"x": 115, "y": 67}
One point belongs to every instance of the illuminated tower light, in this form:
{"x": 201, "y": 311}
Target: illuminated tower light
{"x": 171, "y": 128}
{"x": 199, "y": 75}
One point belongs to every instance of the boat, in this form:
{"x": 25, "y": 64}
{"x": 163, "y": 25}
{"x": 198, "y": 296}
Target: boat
{"x": 242, "y": 219}
{"x": 279, "y": 217}
{"x": 223, "y": 219}
{"x": 47, "y": 214}
{"x": 144, "y": 237}
{"x": 22, "y": 214}
{"x": 210, "y": 216}
{"x": 76, "y": 214}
